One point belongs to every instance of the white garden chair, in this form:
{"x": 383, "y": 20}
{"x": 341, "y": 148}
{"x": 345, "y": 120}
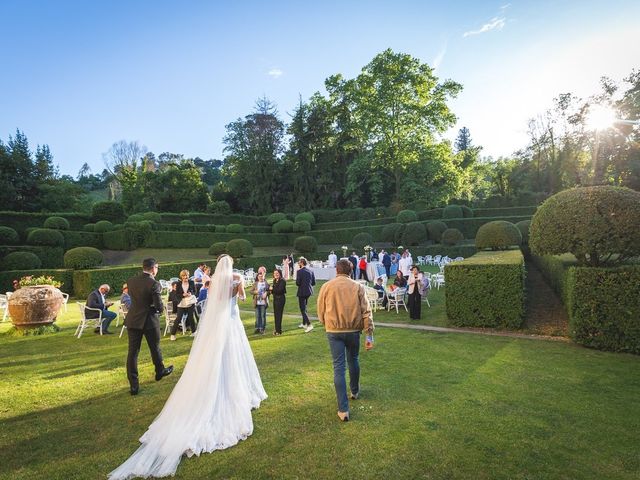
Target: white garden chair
{"x": 371, "y": 294}
{"x": 436, "y": 260}
{"x": 171, "y": 317}
{"x": 420, "y": 260}
{"x": 395, "y": 299}
{"x": 428, "y": 260}
{"x": 439, "y": 280}
{"x": 4, "y": 305}
{"x": 122, "y": 310}
{"x": 88, "y": 322}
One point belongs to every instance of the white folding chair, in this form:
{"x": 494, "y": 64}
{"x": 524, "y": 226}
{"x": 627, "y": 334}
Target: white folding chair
{"x": 426, "y": 288}
{"x": 4, "y": 305}
{"x": 171, "y": 317}
{"x": 371, "y": 294}
{"x": 88, "y": 322}
{"x": 439, "y": 280}
{"x": 122, "y": 310}
{"x": 396, "y": 299}
{"x": 420, "y": 260}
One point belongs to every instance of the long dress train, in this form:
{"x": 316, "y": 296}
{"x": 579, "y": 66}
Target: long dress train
{"x": 210, "y": 406}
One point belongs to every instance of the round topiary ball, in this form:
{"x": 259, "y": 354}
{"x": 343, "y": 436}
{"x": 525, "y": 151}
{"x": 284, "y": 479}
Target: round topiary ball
{"x": 414, "y": 233}
{"x": 21, "y": 261}
{"x": 305, "y": 216}
{"x": 305, "y": 244}
{"x": 524, "y": 226}
{"x": 103, "y": 226}
{"x": 452, "y": 236}
{"x": 498, "y": 235}
{"x": 80, "y": 258}
{"x": 452, "y": 211}
{"x": 108, "y": 210}
{"x": 239, "y": 247}
{"x": 275, "y": 218}
{"x": 435, "y": 229}
{"x": 154, "y": 217}
{"x": 406, "y": 216}
{"x": 89, "y": 227}
{"x": 301, "y": 226}
{"x": 218, "y": 248}
{"x": 361, "y": 239}
{"x": 282, "y": 226}
{"x": 186, "y": 222}
{"x": 596, "y": 224}
{"x": 136, "y": 217}
{"x": 220, "y": 228}
{"x": 8, "y": 236}
{"x": 45, "y": 237}
{"x": 235, "y": 228}
{"x": 389, "y": 232}
{"x": 466, "y": 211}
{"x": 57, "y": 223}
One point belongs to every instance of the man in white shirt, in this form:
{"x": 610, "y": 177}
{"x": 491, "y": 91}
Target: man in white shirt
{"x": 404, "y": 265}
{"x": 333, "y": 259}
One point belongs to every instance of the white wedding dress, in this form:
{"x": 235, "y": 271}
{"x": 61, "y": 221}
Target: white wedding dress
{"x": 210, "y": 407}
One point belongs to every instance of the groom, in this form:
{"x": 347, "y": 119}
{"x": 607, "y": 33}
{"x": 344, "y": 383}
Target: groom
{"x": 143, "y": 320}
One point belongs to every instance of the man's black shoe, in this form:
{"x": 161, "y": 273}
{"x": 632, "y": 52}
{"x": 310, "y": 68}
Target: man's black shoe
{"x": 97, "y": 330}
{"x": 164, "y": 373}
{"x": 134, "y": 391}
{"x": 107, "y": 332}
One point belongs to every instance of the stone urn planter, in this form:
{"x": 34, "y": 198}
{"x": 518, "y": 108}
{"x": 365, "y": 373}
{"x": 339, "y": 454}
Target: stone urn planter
{"x": 35, "y": 306}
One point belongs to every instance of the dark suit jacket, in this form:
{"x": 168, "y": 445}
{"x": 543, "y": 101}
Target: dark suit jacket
{"x": 94, "y": 301}
{"x": 354, "y": 262}
{"x": 146, "y": 301}
{"x": 305, "y": 280}
{"x": 386, "y": 261}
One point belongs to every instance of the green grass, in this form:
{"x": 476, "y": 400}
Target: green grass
{"x": 437, "y": 406}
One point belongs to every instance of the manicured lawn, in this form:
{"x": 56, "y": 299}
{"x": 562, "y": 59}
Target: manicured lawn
{"x": 438, "y": 406}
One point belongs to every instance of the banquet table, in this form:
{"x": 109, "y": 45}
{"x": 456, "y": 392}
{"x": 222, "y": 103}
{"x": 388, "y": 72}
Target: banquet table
{"x": 323, "y": 273}
{"x": 374, "y": 270}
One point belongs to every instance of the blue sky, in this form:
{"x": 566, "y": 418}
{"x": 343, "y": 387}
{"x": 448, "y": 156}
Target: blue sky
{"x": 82, "y": 75}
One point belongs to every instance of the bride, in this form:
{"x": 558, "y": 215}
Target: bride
{"x": 210, "y": 406}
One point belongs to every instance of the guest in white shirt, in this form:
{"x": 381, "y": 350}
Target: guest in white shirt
{"x": 404, "y": 265}
{"x": 333, "y": 259}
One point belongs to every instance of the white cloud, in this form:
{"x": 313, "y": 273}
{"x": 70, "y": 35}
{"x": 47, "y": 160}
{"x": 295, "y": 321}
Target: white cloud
{"x": 496, "y": 23}
{"x": 437, "y": 61}
{"x": 275, "y": 72}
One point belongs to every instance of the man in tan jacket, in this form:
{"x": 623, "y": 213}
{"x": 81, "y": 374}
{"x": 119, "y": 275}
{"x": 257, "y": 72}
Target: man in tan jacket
{"x": 344, "y": 311}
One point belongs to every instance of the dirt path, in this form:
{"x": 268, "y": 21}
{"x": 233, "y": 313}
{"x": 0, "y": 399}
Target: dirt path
{"x": 545, "y": 313}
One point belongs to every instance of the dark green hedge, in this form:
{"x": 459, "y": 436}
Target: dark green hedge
{"x": 62, "y": 275}
{"x": 354, "y": 223}
{"x": 20, "y": 221}
{"x": 20, "y": 260}
{"x": 51, "y": 257}
{"x": 214, "y": 218}
{"x": 124, "y": 239}
{"x": 452, "y": 251}
{"x": 159, "y": 239}
{"x": 344, "y": 236}
{"x": 74, "y": 239}
{"x": 434, "y": 214}
{"x": 486, "y": 290}
{"x": 603, "y": 304}
{"x": 469, "y": 226}
{"x": 505, "y": 211}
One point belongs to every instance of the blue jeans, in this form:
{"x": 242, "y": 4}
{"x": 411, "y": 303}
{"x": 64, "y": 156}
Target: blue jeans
{"x": 261, "y": 317}
{"x": 345, "y": 345}
{"x": 107, "y": 317}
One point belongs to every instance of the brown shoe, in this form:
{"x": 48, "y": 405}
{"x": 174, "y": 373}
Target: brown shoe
{"x": 343, "y": 416}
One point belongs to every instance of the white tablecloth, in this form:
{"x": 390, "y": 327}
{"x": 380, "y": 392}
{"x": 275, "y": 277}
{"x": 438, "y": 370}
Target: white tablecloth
{"x": 323, "y": 273}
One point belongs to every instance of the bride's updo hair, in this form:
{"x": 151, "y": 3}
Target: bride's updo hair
{"x": 224, "y": 255}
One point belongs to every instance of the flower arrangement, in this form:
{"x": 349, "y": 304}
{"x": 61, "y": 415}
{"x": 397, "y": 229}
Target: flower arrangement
{"x": 400, "y": 247}
{"x": 344, "y": 250}
{"x": 368, "y": 248}
{"x": 30, "y": 281}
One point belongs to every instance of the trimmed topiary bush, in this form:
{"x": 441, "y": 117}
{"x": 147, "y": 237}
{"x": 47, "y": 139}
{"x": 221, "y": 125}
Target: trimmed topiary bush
{"x": 45, "y": 237}
{"x": 452, "y": 236}
{"x": 361, "y": 239}
{"x": 154, "y": 217}
{"x": 218, "y": 248}
{"x": 89, "y": 227}
{"x": 435, "y": 229}
{"x": 81, "y": 258}
{"x": 275, "y": 218}
{"x": 282, "y": 226}
{"x": 305, "y": 244}
{"x": 406, "y": 216}
{"x": 186, "y": 222}
{"x": 109, "y": 210}
{"x": 305, "y": 216}
{"x": 598, "y": 225}
{"x": 301, "y": 226}
{"x": 235, "y": 228}
{"x": 524, "y": 226}
{"x": 8, "y": 236}
{"x": 498, "y": 235}
{"x": 414, "y": 233}
{"x": 389, "y": 232}
{"x": 21, "y": 261}
{"x": 103, "y": 226}
{"x": 56, "y": 223}
{"x": 136, "y": 217}
{"x": 239, "y": 247}
{"x": 466, "y": 211}
{"x": 221, "y": 229}
{"x": 452, "y": 211}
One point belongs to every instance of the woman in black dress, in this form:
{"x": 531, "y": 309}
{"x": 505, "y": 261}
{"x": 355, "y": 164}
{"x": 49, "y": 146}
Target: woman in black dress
{"x": 415, "y": 287}
{"x": 279, "y": 291}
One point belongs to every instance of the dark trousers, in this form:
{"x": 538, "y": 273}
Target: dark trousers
{"x": 363, "y": 274}
{"x": 387, "y": 268}
{"x": 190, "y": 323}
{"x": 278, "y": 309}
{"x": 302, "y": 301}
{"x": 414, "y": 304}
{"x": 152, "y": 334}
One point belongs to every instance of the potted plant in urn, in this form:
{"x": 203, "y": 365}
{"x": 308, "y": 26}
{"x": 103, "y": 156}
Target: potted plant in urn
{"x": 36, "y": 303}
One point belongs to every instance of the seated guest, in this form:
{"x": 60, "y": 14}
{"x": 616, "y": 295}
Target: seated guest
{"x": 379, "y": 286}
{"x": 204, "y": 291}
{"x": 207, "y": 274}
{"x": 399, "y": 281}
{"x": 97, "y": 299}
{"x": 125, "y": 299}
{"x": 186, "y": 292}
